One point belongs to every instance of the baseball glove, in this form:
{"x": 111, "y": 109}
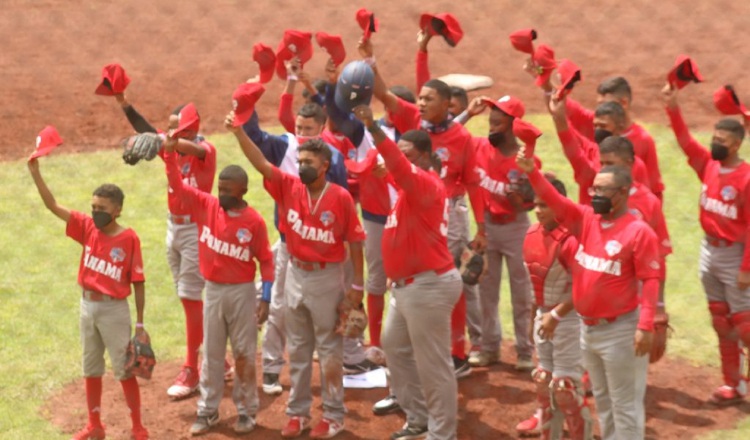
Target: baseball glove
{"x": 354, "y": 322}
{"x": 661, "y": 332}
{"x": 141, "y": 146}
{"x": 471, "y": 265}
{"x": 140, "y": 358}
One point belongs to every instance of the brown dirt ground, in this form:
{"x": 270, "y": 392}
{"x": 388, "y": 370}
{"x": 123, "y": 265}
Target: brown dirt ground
{"x": 491, "y": 402}
{"x": 199, "y": 51}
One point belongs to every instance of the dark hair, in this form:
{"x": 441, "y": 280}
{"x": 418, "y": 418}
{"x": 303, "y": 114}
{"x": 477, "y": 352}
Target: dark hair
{"x": 559, "y": 186}
{"x": 319, "y": 85}
{"x": 178, "y": 109}
{"x": 612, "y": 109}
{"x": 443, "y": 90}
{"x": 460, "y": 94}
{"x": 617, "y": 86}
{"x": 618, "y": 145}
{"x": 404, "y": 93}
{"x": 621, "y": 175}
{"x": 317, "y": 147}
{"x": 234, "y": 173}
{"x": 112, "y": 192}
{"x": 420, "y": 139}
{"x": 313, "y": 110}
{"x": 731, "y": 126}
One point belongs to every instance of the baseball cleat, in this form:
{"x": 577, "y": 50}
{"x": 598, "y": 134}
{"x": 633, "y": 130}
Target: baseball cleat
{"x": 271, "y": 385}
{"x": 484, "y": 358}
{"x": 185, "y": 384}
{"x": 386, "y": 406}
{"x": 326, "y": 429}
{"x": 524, "y": 363}
{"x": 725, "y": 396}
{"x": 410, "y": 432}
{"x": 461, "y": 368}
{"x": 244, "y": 424}
{"x": 362, "y": 367}
{"x": 529, "y": 427}
{"x": 203, "y": 424}
{"x": 295, "y": 427}
{"x": 90, "y": 432}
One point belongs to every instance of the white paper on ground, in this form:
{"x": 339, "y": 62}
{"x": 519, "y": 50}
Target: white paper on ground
{"x": 370, "y": 379}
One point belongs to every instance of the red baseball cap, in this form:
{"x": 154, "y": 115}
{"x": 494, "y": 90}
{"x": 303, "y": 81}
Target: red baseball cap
{"x": 333, "y": 45}
{"x": 509, "y": 105}
{"x": 364, "y": 165}
{"x": 570, "y": 74}
{"x": 189, "y": 119}
{"x": 294, "y": 43}
{"x": 684, "y": 71}
{"x": 527, "y": 133}
{"x": 544, "y": 58}
{"x": 727, "y": 102}
{"x": 114, "y": 80}
{"x": 523, "y": 40}
{"x": 445, "y": 24}
{"x": 367, "y": 22}
{"x": 47, "y": 140}
{"x": 266, "y": 59}
{"x": 243, "y": 101}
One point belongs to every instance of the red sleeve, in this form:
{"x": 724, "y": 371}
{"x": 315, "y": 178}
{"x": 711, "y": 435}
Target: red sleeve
{"x": 275, "y": 185}
{"x": 136, "y": 264}
{"x": 567, "y": 254}
{"x": 568, "y": 212}
{"x": 651, "y": 160}
{"x": 354, "y": 231}
{"x": 584, "y": 170}
{"x": 647, "y": 269}
{"x": 659, "y": 224}
{"x": 423, "y": 69}
{"x": 77, "y": 226}
{"x": 194, "y": 196}
{"x": 406, "y": 117}
{"x": 745, "y": 265}
{"x": 698, "y": 156}
{"x": 286, "y": 115}
{"x": 262, "y": 250}
{"x": 581, "y": 118}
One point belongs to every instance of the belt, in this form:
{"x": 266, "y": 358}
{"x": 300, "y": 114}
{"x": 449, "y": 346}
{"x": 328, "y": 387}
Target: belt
{"x": 308, "y": 266}
{"x": 409, "y": 280}
{"x": 501, "y": 219}
{"x": 180, "y": 219}
{"x": 91, "y": 295}
{"x": 592, "y": 322}
{"x": 718, "y": 242}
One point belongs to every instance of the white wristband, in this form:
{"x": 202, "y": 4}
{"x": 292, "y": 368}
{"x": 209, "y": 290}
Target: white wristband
{"x": 139, "y": 325}
{"x": 554, "y": 314}
{"x": 370, "y": 61}
{"x": 291, "y": 77}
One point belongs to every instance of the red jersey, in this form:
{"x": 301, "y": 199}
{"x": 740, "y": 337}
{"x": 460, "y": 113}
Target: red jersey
{"x": 423, "y": 69}
{"x": 286, "y": 114}
{"x": 109, "y": 264}
{"x": 550, "y": 257}
{"x": 454, "y": 146}
{"x": 315, "y": 229}
{"x": 373, "y": 191}
{"x": 644, "y": 205}
{"x": 582, "y": 119}
{"x": 227, "y": 241}
{"x": 195, "y": 172}
{"x": 414, "y": 238}
{"x": 724, "y": 210}
{"x": 583, "y": 156}
{"x": 613, "y": 255}
{"x": 496, "y": 173}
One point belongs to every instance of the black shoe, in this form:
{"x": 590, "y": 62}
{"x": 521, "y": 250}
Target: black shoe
{"x": 409, "y": 432}
{"x": 271, "y": 384}
{"x": 362, "y": 367}
{"x": 386, "y": 406}
{"x": 461, "y": 367}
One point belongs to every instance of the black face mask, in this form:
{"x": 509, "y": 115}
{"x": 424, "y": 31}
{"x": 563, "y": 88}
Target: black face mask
{"x": 600, "y": 134}
{"x": 228, "y": 202}
{"x": 496, "y": 139}
{"x": 307, "y": 174}
{"x": 101, "y": 219}
{"x": 601, "y": 204}
{"x": 718, "y": 151}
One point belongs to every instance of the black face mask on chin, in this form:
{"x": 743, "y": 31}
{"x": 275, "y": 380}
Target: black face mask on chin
{"x": 719, "y": 151}
{"x": 600, "y": 134}
{"x": 228, "y": 202}
{"x": 496, "y": 139}
{"x": 601, "y": 204}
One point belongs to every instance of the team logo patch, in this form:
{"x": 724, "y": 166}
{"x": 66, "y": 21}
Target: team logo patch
{"x": 293, "y": 48}
{"x": 636, "y": 213}
{"x": 117, "y": 255}
{"x": 244, "y": 236}
{"x": 514, "y": 175}
{"x": 185, "y": 169}
{"x": 728, "y": 193}
{"x": 443, "y": 153}
{"x": 654, "y": 265}
{"x": 613, "y": 247}
{"x": 327, "y": 218}
{"x": 138, "y": 269}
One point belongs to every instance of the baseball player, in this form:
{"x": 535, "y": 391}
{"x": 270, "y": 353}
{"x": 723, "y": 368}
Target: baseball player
{"x": 615, "y": 291}
{"x": 197, "y": 163}
{"x": 426, "y": 286}
{"x": 459, "y": 99}
{"x": 454, "y": 146}
{"x": 506, "y": 223}
{"x": 110, "y": 262}
{"x": 725, "y": 251}
{"x": 318, "y": 218}
{"x": 549, "y": 253}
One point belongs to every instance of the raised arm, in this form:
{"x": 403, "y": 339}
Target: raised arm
{"x": 698, "y": 156}
{"x": 286, "y": 114}
{"x": 423, "y": 66}
{"x": 580, "y": 117}
{"x": 137, "y": 121}
{"x": 50, "y": 203}
{"x": 380, "y": 88}
{"x": 584, "y": 169}
{"x": 252, "y": 152}
{"x": 273, "y": 147}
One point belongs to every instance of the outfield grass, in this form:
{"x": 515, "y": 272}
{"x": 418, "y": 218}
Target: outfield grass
{"x": 40, "y": 350}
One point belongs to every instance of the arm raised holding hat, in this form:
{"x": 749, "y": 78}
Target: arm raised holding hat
{"x": 249, "y": 148}
{"x": 423, "y": 66}
{"x": 294, "y": 74}
{"x": 50, "y": 203}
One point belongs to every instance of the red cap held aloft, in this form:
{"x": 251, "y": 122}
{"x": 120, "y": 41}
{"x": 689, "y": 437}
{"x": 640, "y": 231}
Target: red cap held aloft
{"x": 523, "y": 40}
{"x": 114, "y": 80}
{"x": 684, "y": 72}
{"x": 333, "y": 45}
{"x": 727, "y": 102}
{"x": 367, "y": 22}
{"x": 243, "y": 101}
{"x": 570, "y": 74}
{"x": 293, "y": 44}
{"x": 445, "y": 24}
{"x": 509, "y": 105}
{"x": 266, "y": 59}
{"x": 47, "y": 140}
{"x": 527, "y": 133}
{"x": 544, "y": 59}
{"x": 189, "y": 120}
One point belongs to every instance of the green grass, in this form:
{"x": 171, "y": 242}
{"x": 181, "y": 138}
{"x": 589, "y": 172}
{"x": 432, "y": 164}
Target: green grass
{"x": 40, "y": 349}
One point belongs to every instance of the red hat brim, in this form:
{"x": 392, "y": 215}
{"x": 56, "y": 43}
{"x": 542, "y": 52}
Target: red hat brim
{"x": 527, "y": 133}
{"x": 523, "y": 40}
{"x": 114, "y": 80}
{"x": 684, "y": 72}
{"x": 367, "y": 22}
{"x": 47, "y": 140}
{"x": 333, "y": 45}
{"x": 266, "y": 59}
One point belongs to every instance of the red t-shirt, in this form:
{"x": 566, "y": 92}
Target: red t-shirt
{"x": 496, "y": 173}
{"x": 613, "y": 255}
{"x": 314, "y": 233}
{"x": 195, "y": 172}
{"x": 414, "y": 238}
{"x": 724, "y": 210}
{"x": 227, "y": 241}
{"x": 109, "y": 264}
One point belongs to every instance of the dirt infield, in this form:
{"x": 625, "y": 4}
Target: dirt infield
{"x": 199, "y": 51}
{"x": 491, "y": 402}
